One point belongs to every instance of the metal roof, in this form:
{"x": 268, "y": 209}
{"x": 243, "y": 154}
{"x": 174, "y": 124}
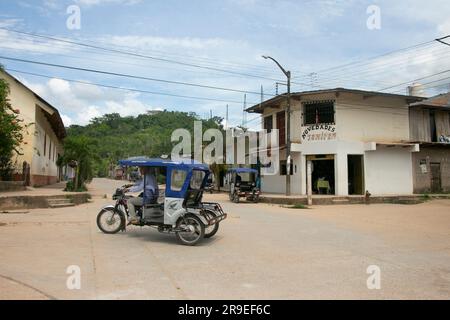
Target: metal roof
{"x": 158, "y": 162}
{"x": 258, "y": 108}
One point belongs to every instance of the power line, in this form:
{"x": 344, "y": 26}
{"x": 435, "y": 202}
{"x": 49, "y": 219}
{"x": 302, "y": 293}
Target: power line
{"x": 208, "y": 60}
{"x": 136, "y": 54}
{"x": 418, "y": 79}
{"x": 374, "y": 57}
{"x": 148, "y": 57}
{"x": 441, "y": 40}
{"x": 123, "y": 88}
{"x": 127, "y": 75}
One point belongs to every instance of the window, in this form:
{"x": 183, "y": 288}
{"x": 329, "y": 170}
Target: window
{"x": 433, "y": 131}
{"x": 177, "y": 179}
{"x": 283, "y": 168}
{"x": 45, "y": 143}
{"x": 197, "y": 179}
{"x": 268, "y": 123}
{"x": 281, "y": 126}
{"x": 315, "y": 113}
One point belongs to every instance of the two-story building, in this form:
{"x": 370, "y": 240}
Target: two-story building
{"x": 42, "y": 139}
{"x": 356, "y": 141}
{"x": 430, "y": 127}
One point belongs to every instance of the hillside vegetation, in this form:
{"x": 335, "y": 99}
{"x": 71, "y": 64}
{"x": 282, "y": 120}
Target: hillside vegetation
{"x": 115, "y": 137}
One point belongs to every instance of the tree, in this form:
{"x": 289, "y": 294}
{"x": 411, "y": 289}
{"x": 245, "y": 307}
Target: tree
{"x": 80, "y": 149}
{"x": 11, "y": 132}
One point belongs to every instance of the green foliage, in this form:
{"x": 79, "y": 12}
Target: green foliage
{"x": 149, "y": 135}
{"x": 11, "y": 131}
{"x": 82, "y": 150}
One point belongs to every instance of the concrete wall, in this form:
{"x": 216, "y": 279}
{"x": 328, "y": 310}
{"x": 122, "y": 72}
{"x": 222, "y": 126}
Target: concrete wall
{"x": 388, "y": 171}
{"x": 437, "y": 154}
{"x": 376, "y": 118}
{"x": 43, "y": 168}
{"x": 358, "y": 117}
{"x": 25, "y": 101}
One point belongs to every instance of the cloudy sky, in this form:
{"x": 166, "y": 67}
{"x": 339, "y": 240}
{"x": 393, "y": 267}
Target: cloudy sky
{"x": 214, "y": 43}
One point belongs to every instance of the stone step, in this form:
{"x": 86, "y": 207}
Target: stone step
{"x": 62, "y": 205}
{"x": 340, "y": 200}
{"x": 409, "y": 201}
{"x": 60, "y": 202}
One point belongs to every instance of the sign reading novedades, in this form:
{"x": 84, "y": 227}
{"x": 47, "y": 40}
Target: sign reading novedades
{"x": 319, "y": 132}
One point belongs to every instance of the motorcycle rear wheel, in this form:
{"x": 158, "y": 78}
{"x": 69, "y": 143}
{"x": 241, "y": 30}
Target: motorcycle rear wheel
{"x": 196, "y": 233}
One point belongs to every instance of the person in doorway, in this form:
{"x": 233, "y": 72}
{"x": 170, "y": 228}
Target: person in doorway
{"x": 150, "y": 193}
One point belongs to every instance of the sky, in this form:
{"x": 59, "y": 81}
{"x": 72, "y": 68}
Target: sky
{"x": 324, "y": 43}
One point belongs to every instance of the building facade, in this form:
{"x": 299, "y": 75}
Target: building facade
{"x": 357, "y": 141}
{"x": 430, "y": 127}
{"x": 43, "y": 137}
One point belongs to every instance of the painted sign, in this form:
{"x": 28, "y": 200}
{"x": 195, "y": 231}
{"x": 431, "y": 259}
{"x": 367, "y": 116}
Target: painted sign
{"x": 319, "y": 132}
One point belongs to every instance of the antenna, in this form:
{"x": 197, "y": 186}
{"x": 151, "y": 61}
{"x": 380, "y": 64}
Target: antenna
{"x": 226, "y": 119}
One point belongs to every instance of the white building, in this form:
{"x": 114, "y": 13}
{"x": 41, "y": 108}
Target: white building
{"x": 356, "y": 140}
{"x": 43, "y": 138}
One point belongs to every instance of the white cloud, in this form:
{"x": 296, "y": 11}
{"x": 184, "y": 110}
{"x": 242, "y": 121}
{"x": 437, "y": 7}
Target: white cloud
{"x": 79, "y": 103}
{"x": 89, "y": 3}
{"x": 66, "y": 120}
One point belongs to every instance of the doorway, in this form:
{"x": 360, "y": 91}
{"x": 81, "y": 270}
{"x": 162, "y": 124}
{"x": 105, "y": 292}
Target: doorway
{"x": 323, "y": 181}
{"x": 355, "y": 165}
{"x": 435, "y": 169}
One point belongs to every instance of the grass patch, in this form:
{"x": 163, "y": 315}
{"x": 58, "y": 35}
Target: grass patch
{"x": 425, "y": 197}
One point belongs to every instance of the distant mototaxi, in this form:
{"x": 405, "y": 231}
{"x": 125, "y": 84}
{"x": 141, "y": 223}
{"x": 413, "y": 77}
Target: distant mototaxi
{"x": 243, "y": 182}
{"x": 179, "y": 208}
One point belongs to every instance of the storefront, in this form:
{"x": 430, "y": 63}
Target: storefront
{"x": 354, "y": 141}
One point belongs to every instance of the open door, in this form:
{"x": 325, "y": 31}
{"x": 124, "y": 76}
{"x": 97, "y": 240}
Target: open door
{"x": 355, "y": 174}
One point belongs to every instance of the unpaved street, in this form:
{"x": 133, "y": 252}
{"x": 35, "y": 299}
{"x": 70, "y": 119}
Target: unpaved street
{"x": 260, "y": 252}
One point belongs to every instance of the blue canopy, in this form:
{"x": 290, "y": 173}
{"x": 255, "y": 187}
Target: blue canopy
{"x": 158, "y": 162}
{"x": 242, "y": 170}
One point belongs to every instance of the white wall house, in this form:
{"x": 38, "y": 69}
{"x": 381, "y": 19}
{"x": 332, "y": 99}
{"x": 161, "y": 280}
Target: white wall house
{"x": 356, "y": 141}
{"x": 43, "y": 138}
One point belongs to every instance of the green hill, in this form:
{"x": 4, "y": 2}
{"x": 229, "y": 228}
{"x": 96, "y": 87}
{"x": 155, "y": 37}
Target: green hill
{"x": 116, "y": 137}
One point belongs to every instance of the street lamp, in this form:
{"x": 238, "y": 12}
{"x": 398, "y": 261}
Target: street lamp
{"x": 288, "y": 126}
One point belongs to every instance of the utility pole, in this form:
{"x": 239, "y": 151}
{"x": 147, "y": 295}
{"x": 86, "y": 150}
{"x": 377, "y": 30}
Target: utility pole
{"x": 244, "y": 116}
{"x": 288, "y": 126}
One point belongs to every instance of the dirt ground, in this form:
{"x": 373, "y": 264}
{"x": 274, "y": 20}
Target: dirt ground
{"x": 260, "y": 252}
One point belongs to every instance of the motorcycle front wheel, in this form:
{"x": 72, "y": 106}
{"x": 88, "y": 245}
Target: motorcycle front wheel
{"x": 194, "y": 230}
{"x": 110, "y": 221}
